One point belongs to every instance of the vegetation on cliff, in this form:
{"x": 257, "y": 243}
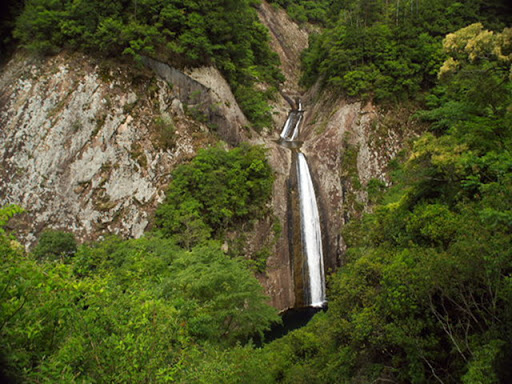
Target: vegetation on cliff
{"x": 226, "y": 34}
{"x": 214, "y": 193}
{"x": 146, "y": 310}
{"x": 305, "y": 10}
{"x": 425, "y": 294}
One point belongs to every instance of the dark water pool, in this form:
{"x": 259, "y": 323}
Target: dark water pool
{"x": 291, "y": 319}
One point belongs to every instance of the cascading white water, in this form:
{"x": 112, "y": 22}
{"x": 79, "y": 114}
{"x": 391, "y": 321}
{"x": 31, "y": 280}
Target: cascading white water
{"x": 290, "y": 130}
{"x": 296, "y": 128}
{"x": 310, "y": 219}
{"x": 288, "y": 125}
{"x": 311, "y": 233}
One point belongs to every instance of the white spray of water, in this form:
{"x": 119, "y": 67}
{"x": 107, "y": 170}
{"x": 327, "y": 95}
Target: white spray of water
{"x": 296, "y": 128}
{"x": 311, "y": 234}
{"x": 287, "y": 126}
{"x": 310, "y": 219}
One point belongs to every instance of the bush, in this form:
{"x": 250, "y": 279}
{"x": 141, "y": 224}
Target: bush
{"x": 212, "y": 193}
{"x": 55, "y": 245}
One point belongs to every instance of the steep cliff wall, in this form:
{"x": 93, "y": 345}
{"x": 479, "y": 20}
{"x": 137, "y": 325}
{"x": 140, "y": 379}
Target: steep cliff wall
{"x": 288, "y": 40}
{"x": 207, "y": 94}
{"x": 349, "y": 144}
{"x": 89, "y": 146}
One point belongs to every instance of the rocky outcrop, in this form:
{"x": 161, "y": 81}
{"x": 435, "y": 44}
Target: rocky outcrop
{"x": 278, "y": 279}
{"x": 87, "y": 146}
{"x": 288, "y": 40}
{"x": 207, "y": 96}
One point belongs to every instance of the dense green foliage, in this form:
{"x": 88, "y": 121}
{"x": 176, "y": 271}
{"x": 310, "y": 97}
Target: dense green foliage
{"x": 216, "y": 191}
{"x": 9, "y": 10}
{"x": 305, "y": 10}
{"x": 225, "y": 33}
{"x": 146, "y": 310}
{"x": 426, "y": 295}
{"x": 53, "y": 245}
{"x": 390, "y": 50}
{"x": 136, "y": 311}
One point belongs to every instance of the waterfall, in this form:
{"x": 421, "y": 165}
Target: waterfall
{"x": 295, "y": 133}
{"x": 290, "y": 131}
{"x": 310, "y": 219}
{"x": 286, "y": 130}
{"x": 311, "y": 233}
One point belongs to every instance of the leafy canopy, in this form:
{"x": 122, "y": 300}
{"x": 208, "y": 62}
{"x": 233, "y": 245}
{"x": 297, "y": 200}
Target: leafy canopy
{"x": 214, "y": 192}
{"x": 224, "y": 33}
{"x": 53, "y": 245}
{"x": 124, "y": 311}
{"x": 390, "y": 51}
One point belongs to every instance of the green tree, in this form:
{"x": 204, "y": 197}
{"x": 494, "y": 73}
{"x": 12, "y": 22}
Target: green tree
{"x": 224, "y": 33}
{"x": 389, "y": 50}
{"x": 222, "y": 300}
{"x": 124, "y": 311}
{"x": 212, "y": 193}
{"x": 55, "y": 245}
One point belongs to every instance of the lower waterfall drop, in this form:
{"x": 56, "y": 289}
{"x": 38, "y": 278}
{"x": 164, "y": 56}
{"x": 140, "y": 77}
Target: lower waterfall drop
{"x": 311, "y": 234}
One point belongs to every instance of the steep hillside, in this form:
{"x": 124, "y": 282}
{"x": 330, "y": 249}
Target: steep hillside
{"x": 89, "y": 145}
{"x": 350, "y": 145}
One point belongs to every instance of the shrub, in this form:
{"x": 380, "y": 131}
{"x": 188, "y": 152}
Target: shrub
{"x": 55, "y": 245}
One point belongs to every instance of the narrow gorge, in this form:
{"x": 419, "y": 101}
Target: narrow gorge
{"x": 309, "y": 253}
{"x": 89, "y": 146}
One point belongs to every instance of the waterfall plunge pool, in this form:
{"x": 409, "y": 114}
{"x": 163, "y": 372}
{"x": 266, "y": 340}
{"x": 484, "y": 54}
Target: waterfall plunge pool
{"x": 292, "y": 319}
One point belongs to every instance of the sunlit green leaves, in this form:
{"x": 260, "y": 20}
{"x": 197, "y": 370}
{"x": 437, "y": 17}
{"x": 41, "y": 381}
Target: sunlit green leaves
{"x": 125, "y": 311}
{"x": 392, "y": 50}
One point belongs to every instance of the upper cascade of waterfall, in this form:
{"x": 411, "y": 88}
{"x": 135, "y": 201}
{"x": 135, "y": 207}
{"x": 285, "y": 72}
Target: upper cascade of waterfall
{"x": 291, "y": 128}
{"x": 311, "y": 234}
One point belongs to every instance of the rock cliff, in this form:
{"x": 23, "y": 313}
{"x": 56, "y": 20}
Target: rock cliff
{"x": 348, "y": 144}
{"x": 89, "y": 146}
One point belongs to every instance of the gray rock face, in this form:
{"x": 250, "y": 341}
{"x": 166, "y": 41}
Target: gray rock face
{"x": 347, "y": 145}
{"x": 79, "y": 145}
{"x": 288, "y": 40}
{"x": 206, "y": 92}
